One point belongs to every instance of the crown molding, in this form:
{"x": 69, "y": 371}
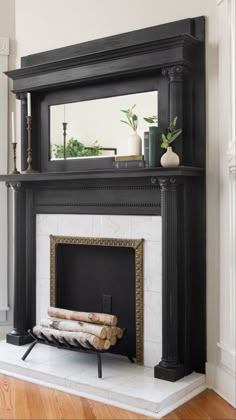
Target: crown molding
{"x": 4, "y": 46}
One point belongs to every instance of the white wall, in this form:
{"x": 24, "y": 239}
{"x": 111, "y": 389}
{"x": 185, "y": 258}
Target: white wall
{"x": 7, "y": 60}
{"x": 223, "y": 373}
{"x": 43, "y": 25}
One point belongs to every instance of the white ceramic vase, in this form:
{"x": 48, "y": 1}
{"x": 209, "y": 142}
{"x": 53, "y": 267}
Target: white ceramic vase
{"x": 134, "y": 144}
{"x": 170, "y": 159}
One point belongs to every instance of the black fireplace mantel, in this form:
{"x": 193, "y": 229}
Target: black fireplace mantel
{"x": 169, "y": 58}
{"x": 175, "y": 194}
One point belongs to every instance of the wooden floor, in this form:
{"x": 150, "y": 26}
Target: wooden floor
{"x": 23, "y": 400}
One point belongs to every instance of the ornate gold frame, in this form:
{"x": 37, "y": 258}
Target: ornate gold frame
{"x": 127, "y": 243}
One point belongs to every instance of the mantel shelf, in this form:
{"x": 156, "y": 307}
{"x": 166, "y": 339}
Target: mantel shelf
{"x": 181, "y": 171}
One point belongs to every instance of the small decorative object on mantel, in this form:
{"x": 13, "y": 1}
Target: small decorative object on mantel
{"x": 170, "y": 159}
{"x": 128, "y": 162}
{"x": 29, "y": 169}
{"x": 152, "y": 148}
{"x": 14, "y": 145}
{"x": 146, "y": 148}
{"x": 134, "y": 141}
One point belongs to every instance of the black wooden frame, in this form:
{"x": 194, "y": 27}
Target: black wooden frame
{"x": 173, "y": 57}
{"x": 169, "y": 58}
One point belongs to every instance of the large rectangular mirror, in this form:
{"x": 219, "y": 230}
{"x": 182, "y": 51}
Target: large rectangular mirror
{"x": 93, "y": 128}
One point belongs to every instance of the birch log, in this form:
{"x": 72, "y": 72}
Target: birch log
{"x": 113, "y": 340}
{"x": 117, "y": 332}
{"x": 91, "y": 317}
{"x": 81, "y": 337}
{"x": 77, "y": 326}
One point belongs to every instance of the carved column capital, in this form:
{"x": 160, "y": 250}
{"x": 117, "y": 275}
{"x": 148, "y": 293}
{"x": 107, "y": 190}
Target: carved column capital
{"x": 22, "y": 97}
{"x": 15, "y": 186}
{"x": 175, "y": 73}
{"x": 169, "y": 183}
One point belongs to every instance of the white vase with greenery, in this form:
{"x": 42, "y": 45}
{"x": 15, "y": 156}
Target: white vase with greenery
{"x": 170, "y": 159}
{"x": 134, "y": 140}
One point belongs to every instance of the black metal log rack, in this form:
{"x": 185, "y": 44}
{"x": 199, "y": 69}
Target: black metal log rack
{"x": 65, "y": 345}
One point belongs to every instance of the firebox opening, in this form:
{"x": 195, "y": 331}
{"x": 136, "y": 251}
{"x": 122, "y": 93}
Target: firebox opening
{"x": 101, "y": 277}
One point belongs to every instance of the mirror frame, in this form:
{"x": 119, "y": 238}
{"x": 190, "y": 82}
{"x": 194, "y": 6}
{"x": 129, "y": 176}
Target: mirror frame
{"x": 169, "y": 58}
{"x": 89, "y": 93}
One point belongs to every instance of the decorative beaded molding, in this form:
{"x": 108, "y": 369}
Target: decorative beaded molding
{"x": 136, "y": 244}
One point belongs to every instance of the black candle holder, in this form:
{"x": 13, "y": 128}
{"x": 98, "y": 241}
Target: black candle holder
{"x": 14, "y": 171}
{"x": 64, "y": 125}
{"x": 29, "y": 169}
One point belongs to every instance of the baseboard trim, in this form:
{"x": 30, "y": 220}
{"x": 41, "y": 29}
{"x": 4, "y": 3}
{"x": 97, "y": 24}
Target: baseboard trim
{"x": 222, "y": 382}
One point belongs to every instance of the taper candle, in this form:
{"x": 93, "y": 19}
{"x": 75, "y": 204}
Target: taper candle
{"x": 13, "y": 134}
{"x": 29, "y": 104}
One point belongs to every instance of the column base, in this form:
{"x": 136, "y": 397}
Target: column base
{"x": 171, "y": 373}
{"x": 18, "y": 339}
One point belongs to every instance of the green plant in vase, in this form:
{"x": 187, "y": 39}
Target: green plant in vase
{"x": 134, "y": 140}
{"x": 170, "y": 159}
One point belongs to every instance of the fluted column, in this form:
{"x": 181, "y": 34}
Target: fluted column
{"x": 175, "y": 76}
{"x": 169, "y": 368}
{"x": 19, "y": 335}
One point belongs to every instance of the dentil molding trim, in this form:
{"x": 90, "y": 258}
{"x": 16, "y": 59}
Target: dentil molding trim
{"x": 4, "y": 46}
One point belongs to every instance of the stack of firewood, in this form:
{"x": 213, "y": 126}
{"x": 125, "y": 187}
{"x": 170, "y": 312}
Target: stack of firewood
{"x": 88, "y": 329}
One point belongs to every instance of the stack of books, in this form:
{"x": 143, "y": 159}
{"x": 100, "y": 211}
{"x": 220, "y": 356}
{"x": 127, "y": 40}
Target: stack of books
{"x": 128, "y": 162}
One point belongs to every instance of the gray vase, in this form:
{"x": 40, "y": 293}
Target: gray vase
{"x": 155, "y": 151}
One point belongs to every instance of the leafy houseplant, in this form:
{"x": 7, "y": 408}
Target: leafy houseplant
{"x": 151, "y": 120}
{"x": 170, "y": 159}
{"x": 74, "y": 148}
{"x": 132, "y": 119}
{"x": 134, "y": 141}
{"x": 171, "y": 135}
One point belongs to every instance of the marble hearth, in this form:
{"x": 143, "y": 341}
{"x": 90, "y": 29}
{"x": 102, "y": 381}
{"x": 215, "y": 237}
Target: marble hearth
{"x": 124, "y": 385}
{"x": 105, "y": 226}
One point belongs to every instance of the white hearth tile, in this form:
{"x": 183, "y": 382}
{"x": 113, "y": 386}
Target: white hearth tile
{"x": 152, "y": 353}
{"x": 122, "y": 382}
{"x": 42, "y": 256}
{"x": 75, "y": 225}
{"x": 112, "y": 226}
{"x": 46, "y": 224}
{"x": 152, "y": 266}
{"x": 42, "y": 304}
{"x": 148, "y": 227}
{"x": 152, "y": 316}
{"x": 155, "y": 391}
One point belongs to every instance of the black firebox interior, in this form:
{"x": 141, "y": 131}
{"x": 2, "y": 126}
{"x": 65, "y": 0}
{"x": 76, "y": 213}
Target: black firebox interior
{"x": 99, "y": 279}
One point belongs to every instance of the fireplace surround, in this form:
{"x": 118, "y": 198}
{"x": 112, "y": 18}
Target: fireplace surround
{"x": 169, "y": 58}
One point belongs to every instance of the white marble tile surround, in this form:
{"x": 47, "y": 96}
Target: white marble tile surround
{"x": 128, "y": 227}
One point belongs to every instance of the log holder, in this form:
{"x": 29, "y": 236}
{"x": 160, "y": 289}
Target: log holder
{"x": 67, "y": 346}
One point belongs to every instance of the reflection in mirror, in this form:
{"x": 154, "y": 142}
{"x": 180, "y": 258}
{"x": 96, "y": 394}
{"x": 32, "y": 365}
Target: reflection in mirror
{"x": 94, "y": 129}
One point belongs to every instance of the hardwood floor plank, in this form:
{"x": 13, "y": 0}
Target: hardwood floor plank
{"x": 205, "y": 406}
{"x": 20, "y": 400}
{"x": 6, "y": 409}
